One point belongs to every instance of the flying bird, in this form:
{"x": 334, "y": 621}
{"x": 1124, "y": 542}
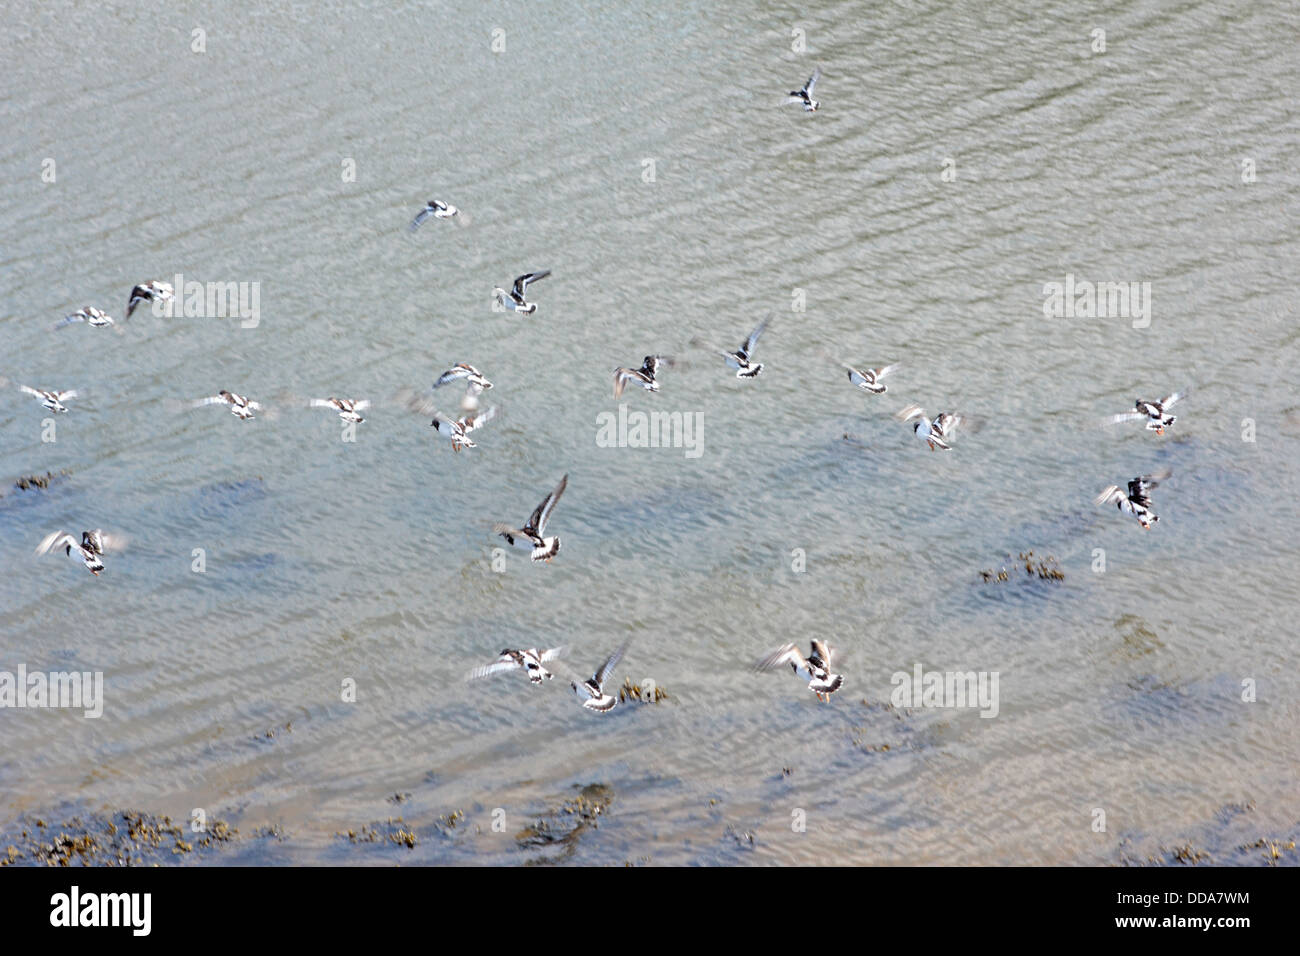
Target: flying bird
{"x": 937, "y": 433}
{"x": 530, "y": 661}
{"x": 531, "y": 534}
{"x": 347, "y": 408}
{"x": 868, "y": 379}
{"x": 1137, "y": 501}
{"x": 240, "y": 406}
{"x": 804, "y": 96}
{"x": 514, "y": 299}
{"x": 644, "y": 376}
{"x": 52, "y": 400}
{"x": 740, "y": 359}
{"x": 436, "y": 208}
{"x": 469, "y": 373}
{"x": 1153, "y": 412}
{"x": 592, "y": 691}
{"x": 93, "y": 317}
{"x": 815, "y": 668}
{"x": 89, "y": 550}
{"x": 151, "y": 291}
{"x": 458, "y": 429}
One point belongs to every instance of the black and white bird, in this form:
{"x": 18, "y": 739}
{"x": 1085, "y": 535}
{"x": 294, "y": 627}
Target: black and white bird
{"x": 1137, "y": 501}
{"x": 531, "y": 534}
{"x": 815, "y": 668}
{"x": 51, "y": 400}
{"x": 868, "y": 379}
{"x": 740, "y": 359}
{"x": 348, "y": 408}
{"x": 592, "y": 691}
{"x": 240, "y": 406}
{"x": 804, "y": 96}
{"x": 457, "y": 429}
{"x": 90, "y": 550}
{"x": 936, "y": 433}
{"x": 530, "y": 661}
{"x": 514, "y": 299}
{"x": 643, "y": 376}
{"x": 1153, "y": 412}
{"x": 151, "y": 291}
{"x": 472, "y": 377}
{"x": 436, "y": 208}
{"x": 93, "y": 317}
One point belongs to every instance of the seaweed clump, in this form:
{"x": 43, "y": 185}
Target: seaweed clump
{"x": 563, "y": 826}
{"x": 648, "y": 695}
{"x": 1045, "y": 568}
{"x": 125, "y": 839}
{"x": 395, "y": 831}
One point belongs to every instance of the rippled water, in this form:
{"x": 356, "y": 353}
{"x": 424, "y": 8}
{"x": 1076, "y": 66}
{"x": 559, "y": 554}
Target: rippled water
{"x": 373, "y": 560}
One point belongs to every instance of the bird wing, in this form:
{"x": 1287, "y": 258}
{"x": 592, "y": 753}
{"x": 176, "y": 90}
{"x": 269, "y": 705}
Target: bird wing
{"x": 812, "y": 80}
{"x": 609, "y": 664}
{"x": 452, "y": 374}
{"x": 210, "y": 400}
{"x": 753, "y": 336}
{"x": 543, "y": 513}
{"x": 621, "y": 376}
{"x": 111, "y": 541}
{"x": 1125, "y": 417}
{"x": 471, "y": 422}
{"x": 785, "y": 654}
{"x": 486, "y": 670}
{"x": 550, "y": 654}
{"x": 824, "y": 651}
{"x": 1140, "y": 485}
{"x": 948, "y": 423}
{"x": 522, "y": 282}
{"x": 145, "y": 292}
{"x": 521, "y": 539}
{"x": 1138, "y": 490}
{"x": 420, "y": 216}
{"x": 54, "y": 540}
{"x": 884, "y": 370}
{"x": 1166, "y": 402}
{"x": 100, "y": 541}
{"x": 910, "y": 412}
{"x": 1111, "y": 494}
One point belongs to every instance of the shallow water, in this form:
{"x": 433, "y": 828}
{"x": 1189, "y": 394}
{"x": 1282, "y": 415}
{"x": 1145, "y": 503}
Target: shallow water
{"x": 373, "y": 560}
